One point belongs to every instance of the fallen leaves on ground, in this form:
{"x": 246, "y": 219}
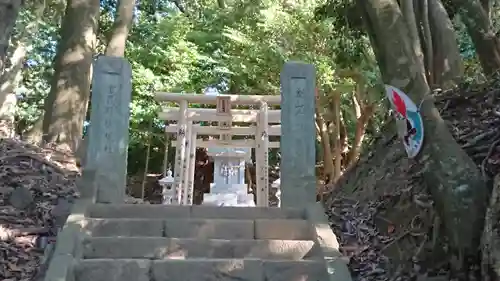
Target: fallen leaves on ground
{"x": 37, "y": 187}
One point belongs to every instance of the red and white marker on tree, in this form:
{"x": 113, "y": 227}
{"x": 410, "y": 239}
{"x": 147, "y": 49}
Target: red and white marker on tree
{"x": 408, "y": 120}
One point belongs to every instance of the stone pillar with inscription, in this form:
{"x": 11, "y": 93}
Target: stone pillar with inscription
{"x": 262, "y": 157}
{"x": 109, "y": 124}
{"x": 180, "y": 153}
{"x": 191, "y": 166}
{"x": 298, "y": 135}
{"x": 187, "y": 183}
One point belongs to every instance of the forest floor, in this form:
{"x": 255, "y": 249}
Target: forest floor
{"x": 381, "y": 210}
{"x": 37, "y": 187}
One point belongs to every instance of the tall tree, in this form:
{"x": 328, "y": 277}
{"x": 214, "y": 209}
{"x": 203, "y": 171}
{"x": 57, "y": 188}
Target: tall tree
{"x": 443, "y": 62}
{"x": 434, "y": 39}
{"x": 476, "y": 17}
{"x": 66, "y": 104}
{"x": 454, "y": 180}
{"x": 9, "y": 11}
{"x": 11, "y": 76}
{"x": 8, "y": 14}
{"x": 121, "y": 28}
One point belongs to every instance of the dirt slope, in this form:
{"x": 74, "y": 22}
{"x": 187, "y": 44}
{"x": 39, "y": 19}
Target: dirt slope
{"x": 37, "y": 187}
{"x": 381, "y": 209}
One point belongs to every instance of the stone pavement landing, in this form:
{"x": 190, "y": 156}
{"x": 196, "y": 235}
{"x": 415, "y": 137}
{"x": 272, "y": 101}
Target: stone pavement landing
{"x": 111, "y": 242}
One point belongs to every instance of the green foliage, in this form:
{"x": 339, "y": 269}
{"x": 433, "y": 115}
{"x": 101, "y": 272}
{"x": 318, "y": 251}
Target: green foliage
{"x": 473, "y": 70}
{"x": 239, "y": 48}
{"x": 38, "y": 64}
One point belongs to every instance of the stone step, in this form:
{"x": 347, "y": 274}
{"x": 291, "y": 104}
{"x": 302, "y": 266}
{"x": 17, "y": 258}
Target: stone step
{"x": 147, "y": 211}
{"x": 199, "y": 270}
{"x": 228, "y": 200}
{"x": 201, "y": 228}
{"x": 184, "y": 248}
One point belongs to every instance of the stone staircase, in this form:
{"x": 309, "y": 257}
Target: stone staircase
{"x": 103, "y": 242}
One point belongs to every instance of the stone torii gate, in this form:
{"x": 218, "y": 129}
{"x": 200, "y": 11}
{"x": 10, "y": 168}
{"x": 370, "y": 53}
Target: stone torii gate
{"x": 187, "y": 133}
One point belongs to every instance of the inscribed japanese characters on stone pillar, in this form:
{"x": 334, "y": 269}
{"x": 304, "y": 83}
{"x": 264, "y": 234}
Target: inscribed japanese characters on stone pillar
{"x": 224, "y": 109}
{"x": 186, "y": 180}
{"x": 298, "y": 135}
{"x": 262, "y": 157}
{"x": 109, "y": 124}
{"x": 192, "y": 165}
{"x": 180, "y": 153}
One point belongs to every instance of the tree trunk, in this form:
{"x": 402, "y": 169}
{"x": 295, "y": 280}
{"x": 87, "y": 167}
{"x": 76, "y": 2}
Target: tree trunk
{"x": 344, "y": 141}
{"x": 66, "y": 105}
{"x": 426, "y": 39}
{"x": 12, "y": 75}
{"x": 9, "y": 9}
{"x": 447, "y": 62}
{"x": 478, "y": 24}
{"x": 337, "y": 145}
{"x": 9, "y": 82}
{"x": 363, "y": 114}
{"x": 121, "y": 27}
{"x": 325, "y": 141}
{"x": 456, "y": 185}
{"x": 487, "y": 7}
{"x": 344, "y": 135}
{"x": 490, "y": 244}
{"x": 409, "y": 16}
{"x": 221, "y": 4}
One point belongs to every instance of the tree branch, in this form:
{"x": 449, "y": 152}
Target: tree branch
{"x": 181, "y": 7}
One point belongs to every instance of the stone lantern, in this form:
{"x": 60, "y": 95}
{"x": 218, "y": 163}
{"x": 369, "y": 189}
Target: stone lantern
{"x": 168, "y": 192}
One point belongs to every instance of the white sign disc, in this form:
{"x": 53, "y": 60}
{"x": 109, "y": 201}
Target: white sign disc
{"x": 408, "y": 120}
